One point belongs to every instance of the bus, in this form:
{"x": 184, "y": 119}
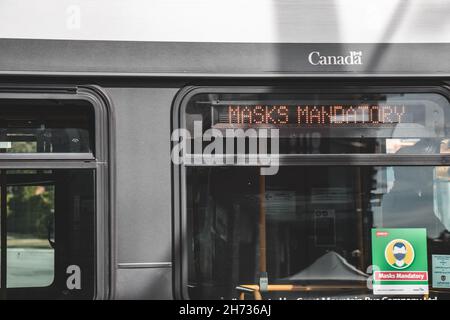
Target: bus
{"x": 224, "y": 150}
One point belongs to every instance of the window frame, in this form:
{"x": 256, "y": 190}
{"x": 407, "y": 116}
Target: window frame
{"x": 179, "y": 183}
{"x": 97, "y": 161}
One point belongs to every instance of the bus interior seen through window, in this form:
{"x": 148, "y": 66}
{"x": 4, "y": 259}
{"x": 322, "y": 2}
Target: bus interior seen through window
{"x": 318, "y": 223}
{"x": 308, "y": 228}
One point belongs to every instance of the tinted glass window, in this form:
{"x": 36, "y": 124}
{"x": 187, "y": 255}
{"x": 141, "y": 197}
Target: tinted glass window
{"x": 48, "y": 245}
{"x": 46, "y": 126}
{"x": 307, "y": 231}
{"x": 316, "y": 224}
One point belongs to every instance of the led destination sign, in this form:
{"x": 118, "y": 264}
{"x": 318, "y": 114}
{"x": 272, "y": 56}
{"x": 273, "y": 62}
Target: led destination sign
{"x": 317, "y": 115}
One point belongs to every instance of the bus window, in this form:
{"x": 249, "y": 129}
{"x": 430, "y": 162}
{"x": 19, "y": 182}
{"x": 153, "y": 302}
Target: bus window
{"x": 46, "y": 126}
{"x": 318, "y": 237}
{"x": 53, "y": 155}
{"x": 306, "y": 230}
{"x": 50, "y": 238}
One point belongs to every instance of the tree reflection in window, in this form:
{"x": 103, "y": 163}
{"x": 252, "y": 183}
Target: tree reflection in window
{"x": 30, "y": 216}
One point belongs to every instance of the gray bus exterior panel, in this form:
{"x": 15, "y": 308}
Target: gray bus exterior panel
{"x": 143, "y": 191}
{"x": 166, "y": 59}
{"x": 144, "y": 283}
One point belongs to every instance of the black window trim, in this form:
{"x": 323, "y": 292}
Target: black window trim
{"x": 179, "y": 226}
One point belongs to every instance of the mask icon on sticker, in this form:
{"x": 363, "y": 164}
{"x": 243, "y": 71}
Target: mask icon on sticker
{"x": 399, "y": 254}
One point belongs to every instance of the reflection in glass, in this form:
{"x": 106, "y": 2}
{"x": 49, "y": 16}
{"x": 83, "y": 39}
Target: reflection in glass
{"x": 30, "y": 219}
{"x": 46, "y": 126}
{"x": 50, "y": 220}
{"x": 318, "y": 223}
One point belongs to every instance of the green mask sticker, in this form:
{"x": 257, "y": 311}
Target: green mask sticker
{"x": 399, "y": 257}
